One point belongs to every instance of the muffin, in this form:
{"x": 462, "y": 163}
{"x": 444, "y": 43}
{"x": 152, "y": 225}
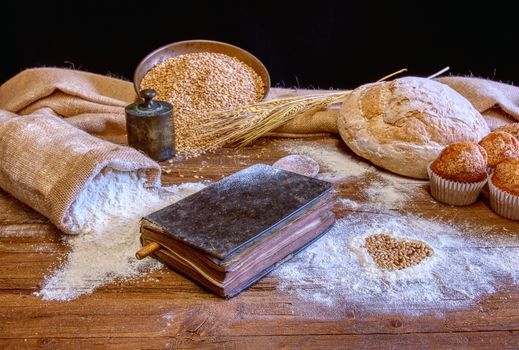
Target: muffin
{"x": 504, "y": 189}
{"x": 511, "y": 129}
{"x": 499, "y": 146}
{"x": 459, "y": 173}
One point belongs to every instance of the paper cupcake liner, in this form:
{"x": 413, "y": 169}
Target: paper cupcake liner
{"x": 503, "y": 203}
{"x": 452, "y": 192}
{"x": 485, "y": 190}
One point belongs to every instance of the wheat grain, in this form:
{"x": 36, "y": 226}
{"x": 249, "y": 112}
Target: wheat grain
{"x": 392, "y": 254}
{"x": 197, "y": 84}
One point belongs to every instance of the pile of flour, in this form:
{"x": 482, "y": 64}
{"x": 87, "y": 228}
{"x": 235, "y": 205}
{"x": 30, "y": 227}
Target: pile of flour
{"x": 337, "y": 270}
{"x": 108, "y": 211}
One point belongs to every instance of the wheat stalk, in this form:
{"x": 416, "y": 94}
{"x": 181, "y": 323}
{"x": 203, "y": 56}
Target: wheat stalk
{"x": 439, "y": 73}
{"x": 242, "y": 126}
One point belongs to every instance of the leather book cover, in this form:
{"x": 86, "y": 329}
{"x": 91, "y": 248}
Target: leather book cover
{"x": 224, "y": 218}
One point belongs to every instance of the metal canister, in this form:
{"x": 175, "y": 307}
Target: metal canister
{"x": 149, "y": 125}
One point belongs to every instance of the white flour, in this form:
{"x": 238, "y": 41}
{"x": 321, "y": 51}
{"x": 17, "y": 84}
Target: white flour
{"x": 467, "y": 264}
{"x": 333, "y": 163}
{"x": 335, "y": 270}
{"x": 385, "y": 190}
{"x": 453, "y": 278}
{"x": 109, "y": 210}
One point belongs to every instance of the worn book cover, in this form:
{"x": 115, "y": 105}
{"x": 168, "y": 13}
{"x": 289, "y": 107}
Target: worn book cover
{"x": 230, "y": 234}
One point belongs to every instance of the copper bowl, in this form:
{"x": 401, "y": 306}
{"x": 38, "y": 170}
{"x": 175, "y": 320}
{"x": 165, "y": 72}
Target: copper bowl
{"x": 192, "y": 46}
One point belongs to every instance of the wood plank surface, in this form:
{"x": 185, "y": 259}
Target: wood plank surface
{"x": 165, "y": 310}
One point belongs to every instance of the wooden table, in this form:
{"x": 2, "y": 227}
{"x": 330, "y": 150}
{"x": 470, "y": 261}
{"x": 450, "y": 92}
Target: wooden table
{"x": 169, "y": 311}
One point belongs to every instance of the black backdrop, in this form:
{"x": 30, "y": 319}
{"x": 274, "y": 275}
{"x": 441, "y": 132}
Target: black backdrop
{"x": 326, "y": 44}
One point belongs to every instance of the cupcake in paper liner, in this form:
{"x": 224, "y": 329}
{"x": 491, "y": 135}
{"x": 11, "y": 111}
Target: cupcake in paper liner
{"x": 512, "y": 129}
{"x": 504, "y": 189}
{"x": 459, "y": 173}
{"x": 499, "y": 145}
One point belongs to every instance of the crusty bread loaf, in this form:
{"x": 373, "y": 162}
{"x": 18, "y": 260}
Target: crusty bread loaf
{"x": 404, "y": 124}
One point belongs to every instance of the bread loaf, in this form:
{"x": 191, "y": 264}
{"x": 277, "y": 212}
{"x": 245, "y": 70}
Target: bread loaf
{"x": 403, "y": 125}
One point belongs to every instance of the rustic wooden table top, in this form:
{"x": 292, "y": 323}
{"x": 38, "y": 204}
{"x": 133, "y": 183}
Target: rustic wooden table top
{"x": 169, "y": 311}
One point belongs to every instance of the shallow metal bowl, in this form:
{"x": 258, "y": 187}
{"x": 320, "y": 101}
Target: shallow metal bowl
{"x": 193, "y": 46}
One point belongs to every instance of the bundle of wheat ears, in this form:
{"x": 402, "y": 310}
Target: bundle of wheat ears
{"x": 242, "y": 126}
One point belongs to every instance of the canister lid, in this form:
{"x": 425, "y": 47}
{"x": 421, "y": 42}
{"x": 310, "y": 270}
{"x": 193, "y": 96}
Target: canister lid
{"x": 148, "y": 107}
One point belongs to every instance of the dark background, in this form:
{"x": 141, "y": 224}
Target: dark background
{"x": 324, "y": 44}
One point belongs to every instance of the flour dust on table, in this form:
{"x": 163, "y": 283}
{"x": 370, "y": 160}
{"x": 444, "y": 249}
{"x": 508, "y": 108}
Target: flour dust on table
{"x": 454, "y": 277}
{"x": 384, "y": 190}
{"x": 334, "y": 164}
{"x": 467, "y": 262}
{"x": 109, "y": 211}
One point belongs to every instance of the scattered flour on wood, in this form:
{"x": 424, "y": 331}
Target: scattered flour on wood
{"x": 299, "y": 164}
{"x": 337, "y": 269}
{"x": 333, "y": 163}
{"x": 169, "y": 318}
{"x": 385, "y": 190}
{"x": 108, "y": 211}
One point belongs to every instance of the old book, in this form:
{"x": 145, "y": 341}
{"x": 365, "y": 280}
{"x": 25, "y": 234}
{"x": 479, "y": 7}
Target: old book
{"x": 230, "y": 234}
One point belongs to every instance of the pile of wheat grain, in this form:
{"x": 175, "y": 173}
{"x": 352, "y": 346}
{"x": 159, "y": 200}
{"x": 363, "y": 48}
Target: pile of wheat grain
{"x": 197, "y": 84}
{"x": 392, "y": 254}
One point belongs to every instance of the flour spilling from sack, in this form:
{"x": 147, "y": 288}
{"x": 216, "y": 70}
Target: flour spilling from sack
{"x": 108, "y": 210}
{"x": 338, "y": 270}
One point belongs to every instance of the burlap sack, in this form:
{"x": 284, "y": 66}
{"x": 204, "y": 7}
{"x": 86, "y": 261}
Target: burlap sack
{"x": 486, "y": 94}
{"x": 497, "y": 102}
{"x": 91, "y": 102}
{"x": 306, "y": 124}
{"x": 46, "y": 162}
{"x": 95, "y": 103}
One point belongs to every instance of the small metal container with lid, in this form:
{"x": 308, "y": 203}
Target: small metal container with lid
{"x": 149, "y": 125}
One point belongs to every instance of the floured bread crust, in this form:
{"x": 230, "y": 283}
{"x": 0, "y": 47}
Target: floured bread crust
{"x": 404, "y": 124}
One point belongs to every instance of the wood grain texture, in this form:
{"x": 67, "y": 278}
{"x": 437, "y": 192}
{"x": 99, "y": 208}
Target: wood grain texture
{"x": 166, "y": 311}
